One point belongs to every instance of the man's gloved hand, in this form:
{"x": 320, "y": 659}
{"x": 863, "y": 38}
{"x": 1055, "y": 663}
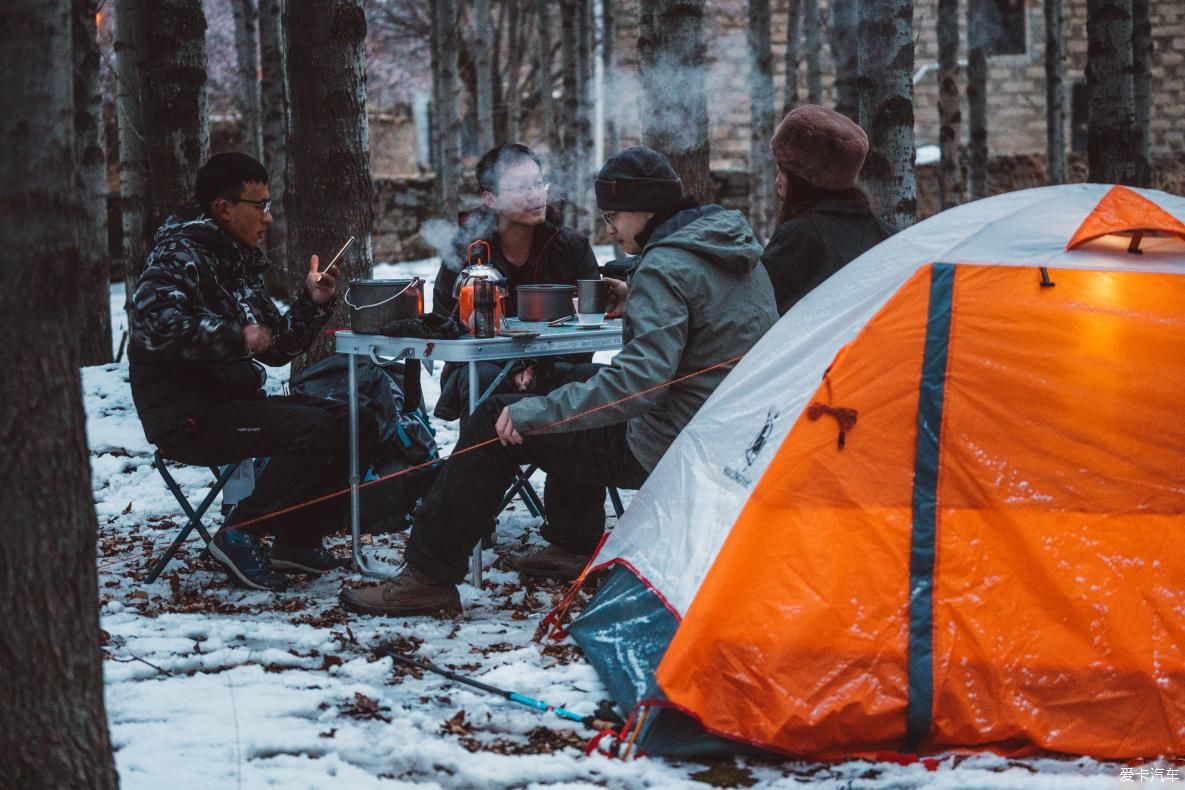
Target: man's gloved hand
{"x": 429, "y": 327}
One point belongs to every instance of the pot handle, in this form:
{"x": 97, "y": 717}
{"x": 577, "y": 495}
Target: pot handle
{"x": 346, "y": 296}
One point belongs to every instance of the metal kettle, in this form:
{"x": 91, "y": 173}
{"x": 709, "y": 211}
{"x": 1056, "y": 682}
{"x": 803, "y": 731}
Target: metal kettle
{"x": 479, "y": 291}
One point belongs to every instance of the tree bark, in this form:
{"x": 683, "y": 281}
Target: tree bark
{"x": 94, "y": 257}
{"x": 812, "y": 32}
{"x": 247, "y": 50}
{"x": 514, "y": 73}
{"x": 672, "y": 61}
{"x": 131, "y": 65}
{"x": 886, "y": 108}
{"x": 845, "y": 52}
{"x": 977, "y": 148}
{"x": 284, "y": 276}
{"x": 485, "y": 75}
{"x": 608, "y": 57}
{"x": 1142, "y": 90}
{"x": 53, "y": 731}
{"x": 950, "y": 115}
{"x": 1055, "y": 97}
{"x": 793, "y": 34}
{"x": 582, "y": 220}
{"x": 762, "y": 198}
{"x": 565, "y": 168}
{"x": 329, "y": 187}
{"x": 448, "y": 120}
{"x": 1111, "y": 138}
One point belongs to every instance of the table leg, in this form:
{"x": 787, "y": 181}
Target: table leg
{"x": 474, "y": 398}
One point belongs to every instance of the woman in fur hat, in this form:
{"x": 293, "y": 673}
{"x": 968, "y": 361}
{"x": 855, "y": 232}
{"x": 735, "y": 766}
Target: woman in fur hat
{"x": 826, "y": 219}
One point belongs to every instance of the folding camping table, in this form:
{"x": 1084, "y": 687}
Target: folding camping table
{"x": 551, "y": 341}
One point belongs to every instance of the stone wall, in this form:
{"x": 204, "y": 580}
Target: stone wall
{"x": 401, "y": 206}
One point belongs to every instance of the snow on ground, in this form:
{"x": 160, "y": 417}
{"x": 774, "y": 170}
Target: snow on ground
{"x": 211, "y": 686}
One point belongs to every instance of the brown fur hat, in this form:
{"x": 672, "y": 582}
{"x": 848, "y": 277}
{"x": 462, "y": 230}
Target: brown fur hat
{"x": 820, "y": 146}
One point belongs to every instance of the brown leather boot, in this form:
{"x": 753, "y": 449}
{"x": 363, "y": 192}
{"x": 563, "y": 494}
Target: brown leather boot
{"x": 551, "y": 563}
{"x": 410, "y": 593}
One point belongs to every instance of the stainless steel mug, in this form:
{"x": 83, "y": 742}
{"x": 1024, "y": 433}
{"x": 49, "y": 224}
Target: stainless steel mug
{"x": 592, "y": 296}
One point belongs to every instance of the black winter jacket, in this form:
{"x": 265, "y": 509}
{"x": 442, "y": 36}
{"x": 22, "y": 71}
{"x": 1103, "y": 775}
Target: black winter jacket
{"x": 198, "y": 289}
{"x": 558, "y": 255}
{"x": 813, "y": 245}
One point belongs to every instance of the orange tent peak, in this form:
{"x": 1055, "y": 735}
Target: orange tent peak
{"x": 1124, "y": 211}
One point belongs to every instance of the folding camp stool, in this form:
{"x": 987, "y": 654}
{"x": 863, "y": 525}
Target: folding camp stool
{"x": 221, "y": 478}
{"x": 523, "y": 488}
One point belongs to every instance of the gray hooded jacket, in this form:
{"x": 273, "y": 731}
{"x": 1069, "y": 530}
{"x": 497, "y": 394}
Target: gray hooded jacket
{"x": 697, "y": 301}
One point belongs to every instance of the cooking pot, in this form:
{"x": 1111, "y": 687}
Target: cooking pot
{"x": 544, "y": 302}
{"x": 375, "y": 303}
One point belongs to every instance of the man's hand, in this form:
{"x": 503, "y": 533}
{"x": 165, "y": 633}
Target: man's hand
{"x": 615, "y": 301}
{"x": 321, "y": 285}
{"x": 258, "y": 338}
{"x": 524, "y": 379}
{"x": 507, "y": 433}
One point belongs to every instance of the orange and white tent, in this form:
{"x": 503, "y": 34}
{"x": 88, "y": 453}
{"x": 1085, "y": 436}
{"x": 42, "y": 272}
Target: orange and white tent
{"x": 939, "y": 506}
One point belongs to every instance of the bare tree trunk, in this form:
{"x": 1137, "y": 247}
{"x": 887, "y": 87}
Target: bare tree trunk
{"x": 608, "y": 57}
{"x": 1055, "y": 98}
{"x": 94, "y": 258}
{"x": 131, "y": 65}
{"x": 177, "y": 134}
{"x": 53, "y": 730}
{"x": 812, "y": 32}
{"x": 762, "y": 199}
{"x": 672, "y": 61}
{"x": 1111, "y": 139}
{"x": 1142, "y": 90}
{"x": 845, "y": 52}
{"x": 284, "y": 276}
{"x": 977, "y": 45}
{"x": 514, "y": 109}
{"x": 950, "y": 115}
{"x": 566, "y": 166}
{"x": 793, "y": 34}
{"x": 485, "y": 75}
{"x": 547, "y": 84}
{"x": 247, "y": 51}
{"x": 584, "y": 121}
{"x": 448, "y": 121}
{"x": 886, "y": 108}
{"x": 329, "y": 187}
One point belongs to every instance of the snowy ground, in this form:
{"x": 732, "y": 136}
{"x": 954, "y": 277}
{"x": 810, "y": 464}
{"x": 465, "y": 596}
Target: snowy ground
{"x": 210, "y": 686}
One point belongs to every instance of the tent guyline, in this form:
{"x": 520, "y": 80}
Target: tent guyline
{"x": 479, "y": 445}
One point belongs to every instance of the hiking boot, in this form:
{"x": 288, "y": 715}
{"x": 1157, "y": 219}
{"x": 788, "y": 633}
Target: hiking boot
{"x": 294, "y": 558}
{"x": 246, "y": 560}
{"x": 551, "y": 563}
{"x": 411, "y": 592}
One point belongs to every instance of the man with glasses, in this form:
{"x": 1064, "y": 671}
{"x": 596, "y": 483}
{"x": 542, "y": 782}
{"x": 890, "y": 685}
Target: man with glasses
{"x": 201, "y": 324}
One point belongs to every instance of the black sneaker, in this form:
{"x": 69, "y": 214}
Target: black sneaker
{"x": 246, "y": 560}
{"x": 304, "y": 559}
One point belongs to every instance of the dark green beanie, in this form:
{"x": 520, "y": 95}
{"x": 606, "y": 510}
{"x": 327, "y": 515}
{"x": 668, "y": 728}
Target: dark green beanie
{"x": 637, "y": 179}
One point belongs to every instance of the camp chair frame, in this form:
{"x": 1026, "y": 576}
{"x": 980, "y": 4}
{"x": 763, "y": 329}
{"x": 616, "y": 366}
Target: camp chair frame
{"x": 221, "y": 478}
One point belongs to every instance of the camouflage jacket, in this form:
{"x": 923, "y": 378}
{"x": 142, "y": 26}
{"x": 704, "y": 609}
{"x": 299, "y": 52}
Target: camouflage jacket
{"x": 199, "y": 287}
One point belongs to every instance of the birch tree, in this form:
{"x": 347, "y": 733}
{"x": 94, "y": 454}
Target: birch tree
{"x": 977, "y": 47}
{"x": 91, "y": 172}
{"x": 1055, "y": 97}
{"x": 514, "y": 73}
{"x": 950, "y": 115}
{"x": 130, "y": 66}
{"x": 329, "y": 188}
{"x": 447, "y": 133}
{"x": 845, "y": 53}
{"x": 285, "y": 276}
{"x": 546, "y": 80}
{"x": 53, "y": 731}
{"x": 672, "y": 59}
{"x": 886, "y": 108}
{"x": 485, "y": 74}
{"x": 608, "y": 58}
{"x": 1111, "y": 137}
{"x": 247, "y": 51}
{"x": 762, "y": 198}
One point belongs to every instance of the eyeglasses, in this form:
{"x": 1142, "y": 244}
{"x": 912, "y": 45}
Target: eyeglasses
{"x": 266, "y": 205}
{"x": 522, "y": 189}
{"x": 608, "y": 217}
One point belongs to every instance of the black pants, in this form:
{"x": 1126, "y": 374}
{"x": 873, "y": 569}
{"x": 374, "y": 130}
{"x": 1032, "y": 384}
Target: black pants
{"x": 462, "y": 504}
{"x": 308, "y": 442}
